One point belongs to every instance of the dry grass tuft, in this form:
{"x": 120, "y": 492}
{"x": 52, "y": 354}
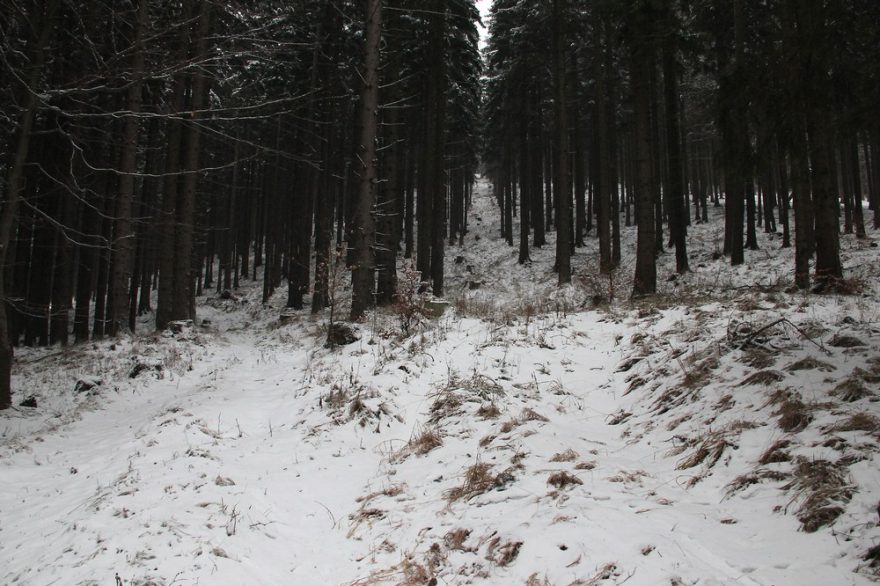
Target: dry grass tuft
{"x": 486, "y": 440}
{"x": 872, "y": 556}
{"x": 568, "y": 455}
{"x": 503, "y": 553}
{"x": 509, "y": 425}
{"x": 447, "y": 404}
{"x": 708, "y": 452}
{"x": 531, "y": 415}
{"x": 618, "y": 417}
{"x": 776, "y": 453}
{"x": 858, "y": 422}
{"x": 699, "y": 373}
{"x": 669, "y": 399}
{"x": 823, "y": 490}
{"x": 488, "y": 411}
{"x": 606, "y": 572}
{"x": 506, "y": 477}
{"x": 852, "y": 389}
{"x": 425, "y": 442}
{"x": 711, "y": 447}
{"x": 758, "y": 357}
{"x": 725, "y": 403}
{"x": 456, "y": 538}
{"x": 810, "y": 363}
{"x": 526, "y": 416}
{"x": 764, "y": 378}
{"x": 872, "y": 375}
{"x": 477, "y": 480}
{"x": 844, "y": 341}
{"x": 745, "y": 480}
{"x": 794, "y": 415}
{"x": 563, "y": 479}
{"x": 625, "y": 477}
{"x": 635, "y": 383}
{"x": 480, "y": 385}
{"x": 415, "y": 574}
{"x": 534, "y": 580}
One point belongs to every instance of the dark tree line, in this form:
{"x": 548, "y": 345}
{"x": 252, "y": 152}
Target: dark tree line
{"x": 153, "y": 150}
{"x": 648, "y": 112}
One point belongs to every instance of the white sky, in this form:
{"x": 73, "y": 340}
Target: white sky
{"x": 483, "y": 6}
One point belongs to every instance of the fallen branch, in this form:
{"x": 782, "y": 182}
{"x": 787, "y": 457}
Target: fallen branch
{"x": 750, "y": 339}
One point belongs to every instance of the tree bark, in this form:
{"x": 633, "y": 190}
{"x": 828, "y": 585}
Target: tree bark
{"x": 562, "y": 185}
{"x": 645, "y": 281}
{"x": 678, "y": 212}
{"x": 124, "y": 234}
{"x": 364, "y": 231}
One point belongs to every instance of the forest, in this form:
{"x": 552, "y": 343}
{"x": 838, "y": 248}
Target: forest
{"x": 155, "y": 150}
{"x": 191, "y": 185}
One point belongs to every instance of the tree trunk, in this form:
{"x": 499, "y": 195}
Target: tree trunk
{"x": 562, "y": 185}
{"x": 856, "y": 178}
{"x": 645, "y": 281}
{"x": 15, "y": 173}
{"x": 183, "y": 300}
{"x": 525, "y": 198}
{"x": 124, "y": 235}
{"x": 364, "y": 231}
{"x": 678, "y": 212}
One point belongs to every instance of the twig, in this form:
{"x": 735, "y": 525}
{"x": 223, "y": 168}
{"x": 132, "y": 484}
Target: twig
{"x": 781, "y": 320}
{"x": 329, "y": 512}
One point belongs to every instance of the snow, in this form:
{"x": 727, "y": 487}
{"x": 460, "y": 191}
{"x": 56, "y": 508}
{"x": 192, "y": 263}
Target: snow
{"x": 248, "y": 453}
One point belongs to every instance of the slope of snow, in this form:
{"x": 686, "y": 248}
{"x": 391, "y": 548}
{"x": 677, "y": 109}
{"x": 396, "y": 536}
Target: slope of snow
{"x": 523, "y": 437}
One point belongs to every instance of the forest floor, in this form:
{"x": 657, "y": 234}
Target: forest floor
{"x": 725, "y": 431}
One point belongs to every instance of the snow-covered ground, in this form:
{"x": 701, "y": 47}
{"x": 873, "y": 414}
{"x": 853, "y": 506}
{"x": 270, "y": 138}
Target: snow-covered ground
{"x": 724, "y": 432}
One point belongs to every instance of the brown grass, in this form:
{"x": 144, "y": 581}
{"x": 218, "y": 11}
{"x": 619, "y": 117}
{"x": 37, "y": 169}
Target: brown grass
{"x": 391, "y": 491}
{"x": 823, "y": 490}
{"x": 872, "y": 556}
{"x": 534, "y": 580}
{"x": 445, "y": 405}
{"x": 810, "y": 363}
{"x": 635, "y": 383}
{"x": 764, "y": 378}
{"x": 758, "y": 358}
{"x": 699, "y": 373}
{"x": 486, "y": 440}
{"x": 710, "y": 451}
{"x": 852, "y": 389}
{"x": 625, "y": 477}
{"x": 488, "y": 411}
{"x": 844, "y": 341}
{"x": 568, "y": 455}
{"x": 509, "y": 425}
{"x": 858, "y": 422}
{"x": 872, "y": 375}
{"x": 776, "y": 453}
{"x": 745, "y": 480}
{"x": 669, "y": 399}
{"x": 456, "y": 538}
{"x": 711, "y": 446}
{"x": 794, "y": 415}
{"x": 477, "y": 480}
{"x": 563, "y": 479}
{"x": 618, "y": 418}
{"x": 531, "y": 415}
{"x": 426, "y": 441}
{"x": 502, "y": 553}
{"x": 725, "y": 403}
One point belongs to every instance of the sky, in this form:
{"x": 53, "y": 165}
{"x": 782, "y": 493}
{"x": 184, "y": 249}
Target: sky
{"x": 483, "y": 6}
